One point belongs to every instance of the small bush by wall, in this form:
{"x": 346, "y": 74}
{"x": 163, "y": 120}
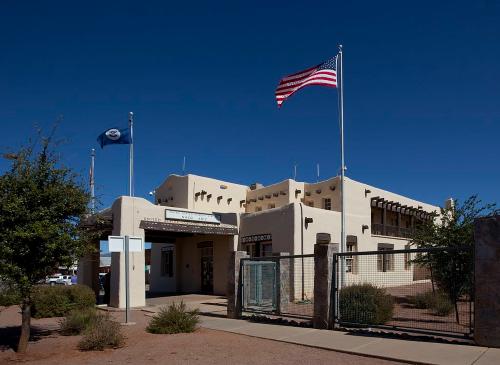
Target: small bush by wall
{"x": 365, "y": 304}
{"x": 174, "y": 319}
{"x": 57, "y": 301}
{"x": 102, "y": 333}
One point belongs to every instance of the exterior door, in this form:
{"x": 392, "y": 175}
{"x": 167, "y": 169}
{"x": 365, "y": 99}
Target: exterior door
{"x": 207, "y": 270}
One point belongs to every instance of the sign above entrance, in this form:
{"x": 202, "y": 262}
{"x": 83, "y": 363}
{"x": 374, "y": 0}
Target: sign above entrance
{"x": 182, "y": 215}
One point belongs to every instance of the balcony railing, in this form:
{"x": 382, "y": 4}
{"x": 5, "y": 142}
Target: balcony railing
{"x": 393, "y": 231}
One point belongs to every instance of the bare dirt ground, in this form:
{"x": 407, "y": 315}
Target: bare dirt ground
{"x": 203, "y": 347}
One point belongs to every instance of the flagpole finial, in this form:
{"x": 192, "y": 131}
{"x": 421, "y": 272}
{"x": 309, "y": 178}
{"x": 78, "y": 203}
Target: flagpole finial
{"x": 340, "y": 48}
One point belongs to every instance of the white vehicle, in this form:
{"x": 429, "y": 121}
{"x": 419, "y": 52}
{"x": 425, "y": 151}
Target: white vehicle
{"x": 52, "y": 279}
{"x": 64, "y": 280}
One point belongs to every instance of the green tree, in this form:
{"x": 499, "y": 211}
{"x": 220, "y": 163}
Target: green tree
{"x": 41, "y": 205}
{"x": 451, "y": 270}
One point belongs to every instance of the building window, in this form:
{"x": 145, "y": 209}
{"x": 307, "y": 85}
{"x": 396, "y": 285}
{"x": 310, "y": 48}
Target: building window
{"x": 271, "y": 206}
{"x": 310, "y": 204}
{"x": 258, "y": 209}
{"x": 259, "y": 249}
{"x": 250, "y": 248}
{"x": 266, "y": 249}
{"x": 167, "y": 261}
{"x": 350, "y": 261}
{"x": 327, "y": 203}
{"x": 385, "y": 261}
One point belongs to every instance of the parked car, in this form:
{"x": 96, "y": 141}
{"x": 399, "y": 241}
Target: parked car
{"x": 64, "y": 280}
{"x": 52, "y": 279}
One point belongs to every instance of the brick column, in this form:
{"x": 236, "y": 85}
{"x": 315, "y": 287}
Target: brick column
{"x": 323, "y": 285}
{"x": 283, "y": 281}
{"x": 234, "y": 284}
{"x": 487, "y": 281}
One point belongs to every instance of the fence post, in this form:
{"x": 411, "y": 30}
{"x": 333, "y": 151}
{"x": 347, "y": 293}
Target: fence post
{"x": 282, "y": 280}
{"x": 234, "y": 285}
{"x": 487, "y": 281}
{"x": 323, "y": 284}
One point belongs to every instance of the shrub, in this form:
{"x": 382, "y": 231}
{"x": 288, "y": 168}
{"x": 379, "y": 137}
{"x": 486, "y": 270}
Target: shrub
{"x": 9, "y": 297}
{"x": 78, "y": 320}
{"x": 437, "y": 302}
{"x": 442, "y": 306}
{"x": 101, "y": 333}
{"x": 423, "y": 300}
{"x": 365, "y": 304}
{"x": 57, "y": 301}
{"x": 174, "y": 319}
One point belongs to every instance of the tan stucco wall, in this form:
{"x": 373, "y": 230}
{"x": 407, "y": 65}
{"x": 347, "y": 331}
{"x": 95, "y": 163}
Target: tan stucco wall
{"x": 181, "y": 191}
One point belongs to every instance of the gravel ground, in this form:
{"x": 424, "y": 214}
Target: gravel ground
{"x": 202, "y": 347}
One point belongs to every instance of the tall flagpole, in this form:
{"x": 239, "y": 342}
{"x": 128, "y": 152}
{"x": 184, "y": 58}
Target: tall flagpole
{"x": 131, "y": 176}
{"x": 342, "y": 167}
{"x": 92, "y": 181}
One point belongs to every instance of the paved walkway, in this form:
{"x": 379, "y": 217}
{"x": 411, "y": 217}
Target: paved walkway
{"x": 213, "y": 311}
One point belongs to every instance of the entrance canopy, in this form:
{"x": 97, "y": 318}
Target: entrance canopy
{"x": 189, "y": 227}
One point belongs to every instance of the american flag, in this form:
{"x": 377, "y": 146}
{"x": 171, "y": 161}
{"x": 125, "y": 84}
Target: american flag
{"x": 324, "y": 74}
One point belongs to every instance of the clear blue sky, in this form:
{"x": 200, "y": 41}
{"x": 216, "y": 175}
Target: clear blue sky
{"x": 422, "y": 94}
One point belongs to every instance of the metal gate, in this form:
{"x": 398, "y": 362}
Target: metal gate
{"x": 259, "y": 285}
{"x": 278, "y": 286}
{"x": 428, "y": 290}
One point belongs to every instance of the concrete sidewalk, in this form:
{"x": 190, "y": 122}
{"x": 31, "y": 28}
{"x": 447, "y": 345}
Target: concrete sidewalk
{"x": 213, "y": 316}
{"x": 386, "y": 348}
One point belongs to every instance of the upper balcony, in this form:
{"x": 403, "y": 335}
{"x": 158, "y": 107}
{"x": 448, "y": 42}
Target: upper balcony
{"x": 393, "y": 219}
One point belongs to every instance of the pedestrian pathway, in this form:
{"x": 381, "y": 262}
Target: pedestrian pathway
{"x": 386, "y": 348}
{"x": 213, "y": 314}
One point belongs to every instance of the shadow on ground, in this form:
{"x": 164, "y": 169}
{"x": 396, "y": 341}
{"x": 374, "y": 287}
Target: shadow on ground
{"x": 9, "y": 336}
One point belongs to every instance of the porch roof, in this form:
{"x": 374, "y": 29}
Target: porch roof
{"x": 190, "y": 227}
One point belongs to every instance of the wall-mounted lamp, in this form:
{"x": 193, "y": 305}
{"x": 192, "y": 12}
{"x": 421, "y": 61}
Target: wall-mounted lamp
{"x": 367, "y": 191}
{"x": 197, "y": 194}
{"x": 203, "y": 192}
{"x": 307, "y": 221}
{"x": 364, "y": 227}
{"x": 229, "y": 200}
{"x": 297, "y": 192}
{"x": 241, "y": 202}
{"x": 209, "y": 196}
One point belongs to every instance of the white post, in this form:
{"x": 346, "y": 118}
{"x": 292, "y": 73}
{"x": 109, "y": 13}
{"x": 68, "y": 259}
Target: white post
{"x": 127, "y": 280}
{"x": 131, "y": 176}
{"x": 342, "y": 167}
{"x": 92, "y": 183}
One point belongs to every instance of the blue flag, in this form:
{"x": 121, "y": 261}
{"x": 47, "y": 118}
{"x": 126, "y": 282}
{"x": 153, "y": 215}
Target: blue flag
{"x": 114, "y": 136}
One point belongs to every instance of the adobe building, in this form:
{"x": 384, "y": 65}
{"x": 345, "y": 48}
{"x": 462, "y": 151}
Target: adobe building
{"x": 197, "y": 221}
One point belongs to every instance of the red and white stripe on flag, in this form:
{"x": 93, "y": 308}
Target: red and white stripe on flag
{"x": 324, "y": 74}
